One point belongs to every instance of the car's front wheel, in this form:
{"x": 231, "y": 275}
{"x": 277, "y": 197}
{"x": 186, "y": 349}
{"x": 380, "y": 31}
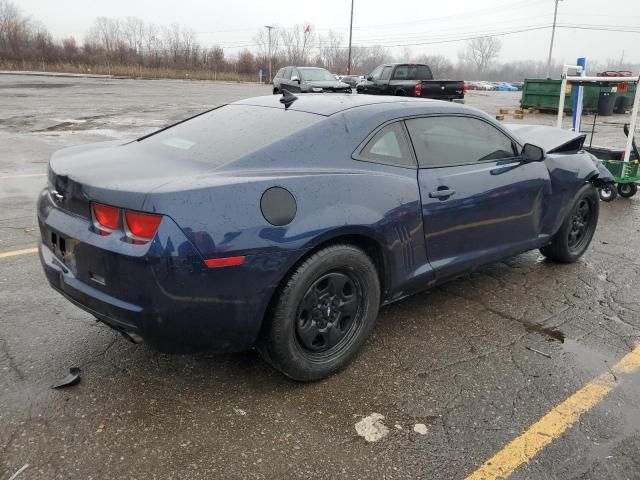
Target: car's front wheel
{"x": 323, "y": 314}
{"x": 577, "y": 230}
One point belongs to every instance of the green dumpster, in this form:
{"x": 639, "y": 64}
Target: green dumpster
{"x": 545, "y": 95}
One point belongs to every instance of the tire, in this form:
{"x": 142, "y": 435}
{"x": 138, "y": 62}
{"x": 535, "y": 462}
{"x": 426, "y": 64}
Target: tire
{"x": 627, "y": 190}
{"x": 400, "y": 93}
{"x": 311, "y": 335}
{"x": 276, "y": 91}
{"x": 577, "y": 230}
{"x": 608, "y": 193}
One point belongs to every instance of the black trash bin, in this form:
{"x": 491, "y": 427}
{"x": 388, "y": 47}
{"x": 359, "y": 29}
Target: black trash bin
{"x": 623, "y": 103}
{"x": 606, "y": 102}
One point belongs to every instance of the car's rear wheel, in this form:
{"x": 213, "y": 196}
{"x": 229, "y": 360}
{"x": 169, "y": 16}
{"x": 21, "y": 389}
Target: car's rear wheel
{"x": 627, "y": 190}
{"x": 323, "y": 314}
{"x": 608, "y": 193}
{"x": 575, "y": 234}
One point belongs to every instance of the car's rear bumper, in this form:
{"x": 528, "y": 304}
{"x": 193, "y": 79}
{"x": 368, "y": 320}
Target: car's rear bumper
{"x": 163, "y": 291}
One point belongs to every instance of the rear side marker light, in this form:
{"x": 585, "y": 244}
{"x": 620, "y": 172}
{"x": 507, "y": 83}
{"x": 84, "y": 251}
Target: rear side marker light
{"x": 106, "y": 218}
{"x": 224, "y": 262}
{"x": 141, "y": 227}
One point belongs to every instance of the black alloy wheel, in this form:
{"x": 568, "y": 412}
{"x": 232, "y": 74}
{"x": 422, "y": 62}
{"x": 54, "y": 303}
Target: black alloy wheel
{"x": 581, "y": 226}
{"x": 323, "y": 313}
{"x": 329, "y": 314}
{"x": 576, "y": 232}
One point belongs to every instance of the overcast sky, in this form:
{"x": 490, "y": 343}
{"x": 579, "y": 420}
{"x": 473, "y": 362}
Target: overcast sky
{"x": 428, "y": 26}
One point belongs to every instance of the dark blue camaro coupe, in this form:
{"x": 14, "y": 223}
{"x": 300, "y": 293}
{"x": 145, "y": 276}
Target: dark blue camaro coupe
{"x": 284, "y": 223}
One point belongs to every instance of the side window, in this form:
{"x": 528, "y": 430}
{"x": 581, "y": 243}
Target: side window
{"x": 388, "y": 146}
{"x": 386, "y": 73}
{"x": 443, "y": 141}
{"x": 402, "y": 72}
{"x": 296, "y": 73}
{"x": 375, "y": 75}
{"x": 287, "y": 73}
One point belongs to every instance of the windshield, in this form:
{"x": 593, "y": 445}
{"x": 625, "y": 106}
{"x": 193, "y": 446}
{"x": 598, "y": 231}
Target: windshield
{"x": 230, "y": 132}
{"x": 317, "y": 75}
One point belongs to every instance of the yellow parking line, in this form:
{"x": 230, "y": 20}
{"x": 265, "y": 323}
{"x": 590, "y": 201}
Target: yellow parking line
{"x": 553, "y": 424}
{"x": 7, "y": 177}
{"x": 15, "y": 253}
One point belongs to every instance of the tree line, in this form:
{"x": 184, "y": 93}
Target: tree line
{"x": 133, "y": 46}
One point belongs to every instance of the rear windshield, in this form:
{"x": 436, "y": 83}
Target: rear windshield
{"x": 231, "y": 132}
{"x": 412, "y": 72}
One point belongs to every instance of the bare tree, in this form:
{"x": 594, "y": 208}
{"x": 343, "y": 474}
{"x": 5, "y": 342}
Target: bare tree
{"x": 331, "y": 53}
{"x": 481, "y": 51}
{"x": 295, "y": 42}
{"x": 441, "y": 66}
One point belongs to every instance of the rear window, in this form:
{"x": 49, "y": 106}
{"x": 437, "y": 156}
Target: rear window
{"x": 412, "y": 72}
{"x": 231, "y": 132}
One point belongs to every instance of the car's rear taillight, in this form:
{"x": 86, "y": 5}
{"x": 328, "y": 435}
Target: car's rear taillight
{"x": 141, "y": 227}
{"x": 418, "y": 90}
{"x": 106, "y": 218}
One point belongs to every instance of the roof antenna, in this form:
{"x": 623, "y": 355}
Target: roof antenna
{"x": 287, "y": 98}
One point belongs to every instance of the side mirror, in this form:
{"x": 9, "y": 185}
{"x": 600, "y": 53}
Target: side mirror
{"x": 369, "y": 78}
{"x": 532, "y": 153}
{"x": 295, "y": 79}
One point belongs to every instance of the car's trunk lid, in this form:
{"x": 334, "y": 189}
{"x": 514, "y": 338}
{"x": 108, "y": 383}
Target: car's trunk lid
{"x": 114, "y": 173}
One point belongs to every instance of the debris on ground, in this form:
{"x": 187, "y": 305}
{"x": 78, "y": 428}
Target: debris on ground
{"x": 538, "y": 352}
{"x": 15, "y": 475}
{"x": 239, "y": 411}
{"x": 100, "y": 428}
{"x": 372, "y": 428}
{"x": 70, "y": 380}
{"x": 420, "y": 428}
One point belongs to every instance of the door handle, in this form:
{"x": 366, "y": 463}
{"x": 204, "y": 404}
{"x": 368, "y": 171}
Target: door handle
{"x": 442, "y": 194}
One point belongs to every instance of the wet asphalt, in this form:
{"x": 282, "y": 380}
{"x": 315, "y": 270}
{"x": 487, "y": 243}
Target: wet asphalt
{"x": 477, "y": 360}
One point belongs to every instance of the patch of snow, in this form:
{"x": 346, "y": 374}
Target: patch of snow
{"x": 372, "y": 428}
{"x": 420, "y": 428}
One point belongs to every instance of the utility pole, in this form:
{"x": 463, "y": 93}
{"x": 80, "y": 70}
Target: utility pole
{"x": 350, "y": 36}
{"x": 553, "y": 35}
{"x": 269, "y": 28}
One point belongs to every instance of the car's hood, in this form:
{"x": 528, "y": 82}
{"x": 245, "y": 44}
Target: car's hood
{"x": 327, "y": 84}
{"x": 552, "y": 139}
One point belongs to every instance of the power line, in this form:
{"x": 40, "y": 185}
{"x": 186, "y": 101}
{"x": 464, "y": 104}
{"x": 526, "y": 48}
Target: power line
{"x": 442, "y": 39}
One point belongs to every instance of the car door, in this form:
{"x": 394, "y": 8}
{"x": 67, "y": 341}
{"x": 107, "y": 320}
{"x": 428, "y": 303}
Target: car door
{"x": 382, "y": 84}
{"x": 369, "y": 84}
{"x": 480, "y": 201}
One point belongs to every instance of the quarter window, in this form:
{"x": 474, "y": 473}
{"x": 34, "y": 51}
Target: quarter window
{"x": 443, "y": 141}
{"x": 388, "y": 146}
